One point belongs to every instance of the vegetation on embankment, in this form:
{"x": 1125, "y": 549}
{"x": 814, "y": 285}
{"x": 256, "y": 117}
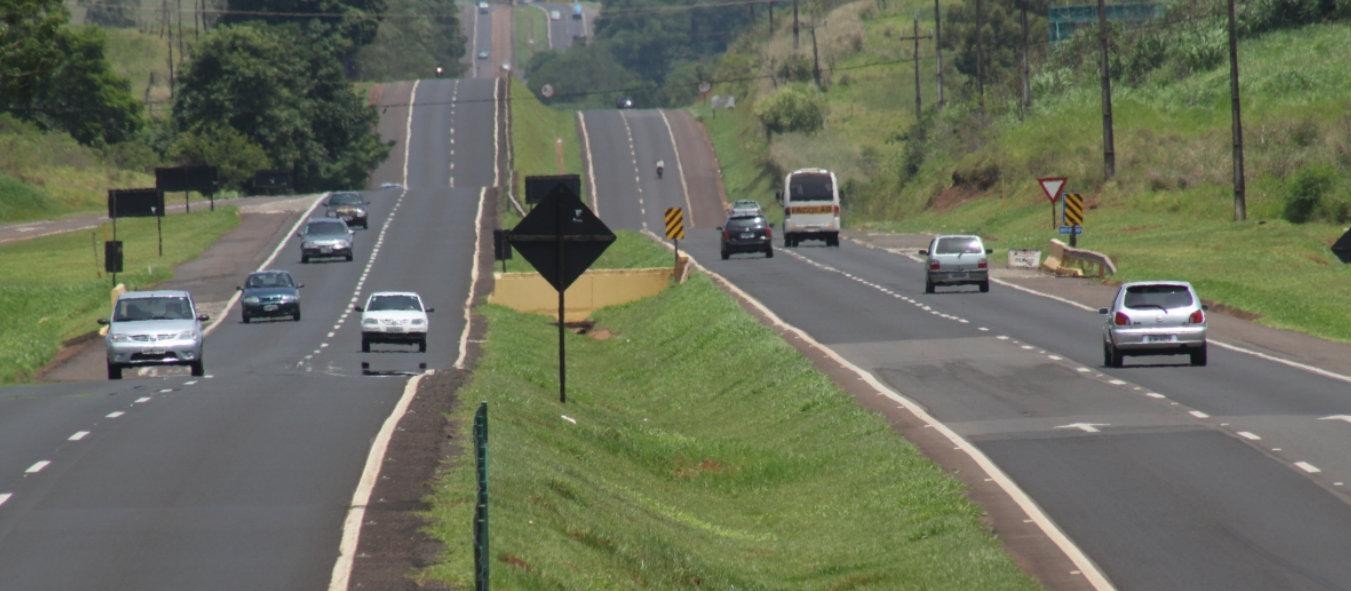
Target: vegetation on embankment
{"x": 55, "y": 288}
{"x": 1168, "y": 211}
{"x": 539, "y": 136}
{"x": 706, "y": 452}
{"x": 51, "y": 174}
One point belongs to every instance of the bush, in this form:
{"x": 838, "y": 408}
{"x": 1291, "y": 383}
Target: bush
{"x": 791, "y": 108}
{"x": 797, "y": 68}
{"x": 1308, "y": 192}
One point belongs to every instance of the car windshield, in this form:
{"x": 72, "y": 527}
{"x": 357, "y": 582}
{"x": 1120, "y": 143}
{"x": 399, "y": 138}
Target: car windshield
{"x": 156, "y": 308}
{"x": 326, "y": 229}
{"x": 958, "y": 245}
{"x": 344, "y": 199}
{"x": 265, "y": 280}
{"x": 745, "y": 223}
{"x": 810, "y": 186}
{"x": 1158, "y": 296}
{"x": 394, "y": 302}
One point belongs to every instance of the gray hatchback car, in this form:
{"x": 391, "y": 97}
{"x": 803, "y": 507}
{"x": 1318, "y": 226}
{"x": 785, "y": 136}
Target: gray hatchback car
{"x": 325, "y": 237}
{"x": 956, "y": 260}
{"x": 1154, "y": 318}
{"x": 154, "y": 328}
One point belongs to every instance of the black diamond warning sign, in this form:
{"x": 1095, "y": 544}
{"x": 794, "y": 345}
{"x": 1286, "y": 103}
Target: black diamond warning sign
{"x": 561, "y": 237}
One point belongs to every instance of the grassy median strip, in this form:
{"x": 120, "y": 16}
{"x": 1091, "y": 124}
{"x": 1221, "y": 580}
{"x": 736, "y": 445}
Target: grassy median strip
{"x": 55, "y": 288}
{"x": 706, "y": 453}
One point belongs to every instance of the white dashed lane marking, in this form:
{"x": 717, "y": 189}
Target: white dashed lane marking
{"x": 1307, "y": 467}
{"x": 78, "y": 435}
{"x": 1249, "y": 435}
{"x": 4, "y": 498}
{"x": 114, "y": 414}
{"x": 37, "y": 467}
{"x": 143, "y": 399}
{"x": 1198, "y": 414}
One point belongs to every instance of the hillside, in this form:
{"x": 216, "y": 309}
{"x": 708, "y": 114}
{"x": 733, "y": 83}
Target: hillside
{"x": 1168, "y": 211}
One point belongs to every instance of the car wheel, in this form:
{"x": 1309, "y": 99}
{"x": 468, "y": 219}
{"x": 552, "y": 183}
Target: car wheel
{"x": 296, "y": 316}
{"x": 114, "y": 371}
{"x": 304, "y": 258}
{"x": 422, "y": 345}
{"x": 365, "y": 225}
{"x": 349, "y": 257}
{"x": 1112, "y": 357}
{"x": 244, "y": 318}
{"x": 832, "y": 241}
{"x": 365, "y": 345}
{"x": 984, "y": 286}
{"x": 769, "y": 252}
{"x": 198, "y": 370}
{"x": 725, "y": 254}
{"x": 1199, "y": 356}
{"x": 928, "y": 287}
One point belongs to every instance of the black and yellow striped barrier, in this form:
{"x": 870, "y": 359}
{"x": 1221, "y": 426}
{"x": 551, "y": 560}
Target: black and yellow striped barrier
{"x": 675, "y": 223}
{"x": 1074, "y": 209}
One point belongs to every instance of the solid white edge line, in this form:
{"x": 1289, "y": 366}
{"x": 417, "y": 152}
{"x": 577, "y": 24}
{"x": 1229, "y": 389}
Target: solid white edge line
{"x": 351, "y": 526}
{"x": 473, "y": 280}
{"x": 1307, "y": 467}
{"x": 590, "y": 164}
{"x": 680, "y": 168}
{"x": 1235, "y": 348}
{"x": 497, "y": 170}
{"x": 1087, "y": 567}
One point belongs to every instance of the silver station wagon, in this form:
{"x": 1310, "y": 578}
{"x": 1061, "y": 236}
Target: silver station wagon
{"x": 1154, "y": 318}
{"x": 154, "y": 328}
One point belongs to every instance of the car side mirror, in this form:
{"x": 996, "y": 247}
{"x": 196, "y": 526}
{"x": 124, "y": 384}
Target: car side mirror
{"x": 203, "y": 317}
{"x": 1102, "y": 311}
{"x": 238, "y": 288}
{"x": 357, "y": 308}
{"x": 430, "y": 310}
{"x": 300, "y": 234}
{"x": 103, "y": 321}
{"x": 719, "y": 228}
{"x": 778, "y": 196}
{"x": 300, "y": 286}
{"x": 1205, "y": 307}
{"x": 989, "y": 251}
{"x": 924, "y": 251}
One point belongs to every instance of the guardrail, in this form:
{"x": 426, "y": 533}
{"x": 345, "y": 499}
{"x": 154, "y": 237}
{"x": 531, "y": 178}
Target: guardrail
{"x": 1061, "y": 253}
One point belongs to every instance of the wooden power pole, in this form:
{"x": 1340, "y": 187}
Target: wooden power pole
{"x": 1027, "y": 87}
{"x": 795, "y": 25}
{"x": 1108, "y": 145}
{"x": 938, "y": 50}
{"x": 914, "y": 56}
{"x": 1240, "y": 199}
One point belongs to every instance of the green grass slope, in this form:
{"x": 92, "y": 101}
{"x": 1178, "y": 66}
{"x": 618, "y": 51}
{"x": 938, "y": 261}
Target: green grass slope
{"x": 1168, "y": 211}
{"x": 51, "y": 174}
{"x": 706, "y": 453}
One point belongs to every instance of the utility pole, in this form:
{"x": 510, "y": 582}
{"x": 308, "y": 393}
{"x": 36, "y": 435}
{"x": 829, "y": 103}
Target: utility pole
{"x": 938, "y": 50}
{"x": 771, "y": 19}
{"x": 795, "y": 25}
{"x": 169, "y": 28}
{"x": 1027, "y": 90}
{"x": 914, "y": 56}
{"x": 1108, "y": 149}
{"x": 1240, "y": 198}
{"x": 980, "y": 57}
{"x": 816, "y": 61}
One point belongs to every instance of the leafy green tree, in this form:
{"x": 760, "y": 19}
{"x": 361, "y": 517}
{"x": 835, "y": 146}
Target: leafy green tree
{"x": 407, "y": 48}
{"x": 341, "y": 26}
{"x": 587, "y": 75}
{"x": 110, "y": 13}
{"x": 84, "y": 96}
{"x": 286, "y": 95}
{"x": 233, "y": 154}
{"x": 796, "y": 107}
{"x": 994, "y": 62}
{"x": 28, "y": 43}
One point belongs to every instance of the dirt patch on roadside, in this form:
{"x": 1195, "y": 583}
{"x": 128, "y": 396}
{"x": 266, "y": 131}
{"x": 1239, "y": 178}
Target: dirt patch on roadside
{"x": 951, "y": 197}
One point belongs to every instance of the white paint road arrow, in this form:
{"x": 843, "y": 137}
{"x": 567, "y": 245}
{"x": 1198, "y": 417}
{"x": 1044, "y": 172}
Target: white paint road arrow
{"x": 1085, "y": 427}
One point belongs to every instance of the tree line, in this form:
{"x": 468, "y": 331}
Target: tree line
{"x": 266, "y": 87}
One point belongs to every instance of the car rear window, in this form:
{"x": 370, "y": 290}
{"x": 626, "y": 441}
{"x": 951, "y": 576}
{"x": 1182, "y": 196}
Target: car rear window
{"x": 344, "y": 199}
{"x": 811, "y": 186}
{"x": 745, "y": 223}
{"x": 958, "y": 245}
{"x": 1158, "y": 296}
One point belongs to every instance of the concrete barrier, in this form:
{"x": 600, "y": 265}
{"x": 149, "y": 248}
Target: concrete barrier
{"x": 1061, "y": 253}
{"x": 595, "y": 289}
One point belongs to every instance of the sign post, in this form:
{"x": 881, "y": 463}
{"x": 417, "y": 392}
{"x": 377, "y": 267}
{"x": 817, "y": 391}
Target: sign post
{"x": 481, "y": 558}
{"x": 675, "y": 230}
{"x": 561, "y": 238}
{"x": 1052, "y": 186}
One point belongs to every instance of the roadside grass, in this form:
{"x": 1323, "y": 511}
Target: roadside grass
{"x": 746, "y": 174}
{"x": 706, "y": 452}
{"x": 1166, "y": 213}
{"x": 530, "y": 32}
{"x": 55, "y": 289}
{"x": 73, "y": 177}
{"x": 142, "y": 58}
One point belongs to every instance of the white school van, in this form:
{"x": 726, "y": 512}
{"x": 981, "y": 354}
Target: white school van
{"x": 811, "y": 207}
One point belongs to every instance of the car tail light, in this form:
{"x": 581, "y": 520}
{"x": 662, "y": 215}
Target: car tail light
{"x": 1121, "y": 319}
{"x": 769, "y": 231}
{"x": 835, "y": 210}
{"x": 934, "y": 266}
{"x": 1197, "y": 317}
{"x": 982, "y": 264}
{"x": 726, "y": 234}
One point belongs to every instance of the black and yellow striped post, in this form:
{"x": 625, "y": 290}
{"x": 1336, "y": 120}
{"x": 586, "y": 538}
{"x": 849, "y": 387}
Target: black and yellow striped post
{"x": 675, "y": 230}
{"x": 1074, "y": 215}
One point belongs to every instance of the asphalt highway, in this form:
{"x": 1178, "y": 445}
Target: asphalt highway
{"x": 1166, "y": 476}
{"x": 242, "y": 479}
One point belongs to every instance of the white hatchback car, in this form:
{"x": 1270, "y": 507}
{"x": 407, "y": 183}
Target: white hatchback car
{"x": 1154, "y": 318}
{"x": 394, "y": 317}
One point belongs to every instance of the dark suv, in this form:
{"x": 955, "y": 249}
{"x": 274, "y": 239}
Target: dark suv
{"x": 747, "y": 233}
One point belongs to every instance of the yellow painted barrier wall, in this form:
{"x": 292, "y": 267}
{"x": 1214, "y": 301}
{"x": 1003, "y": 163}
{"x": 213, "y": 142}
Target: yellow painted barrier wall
{"x": 597, "y": 288}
